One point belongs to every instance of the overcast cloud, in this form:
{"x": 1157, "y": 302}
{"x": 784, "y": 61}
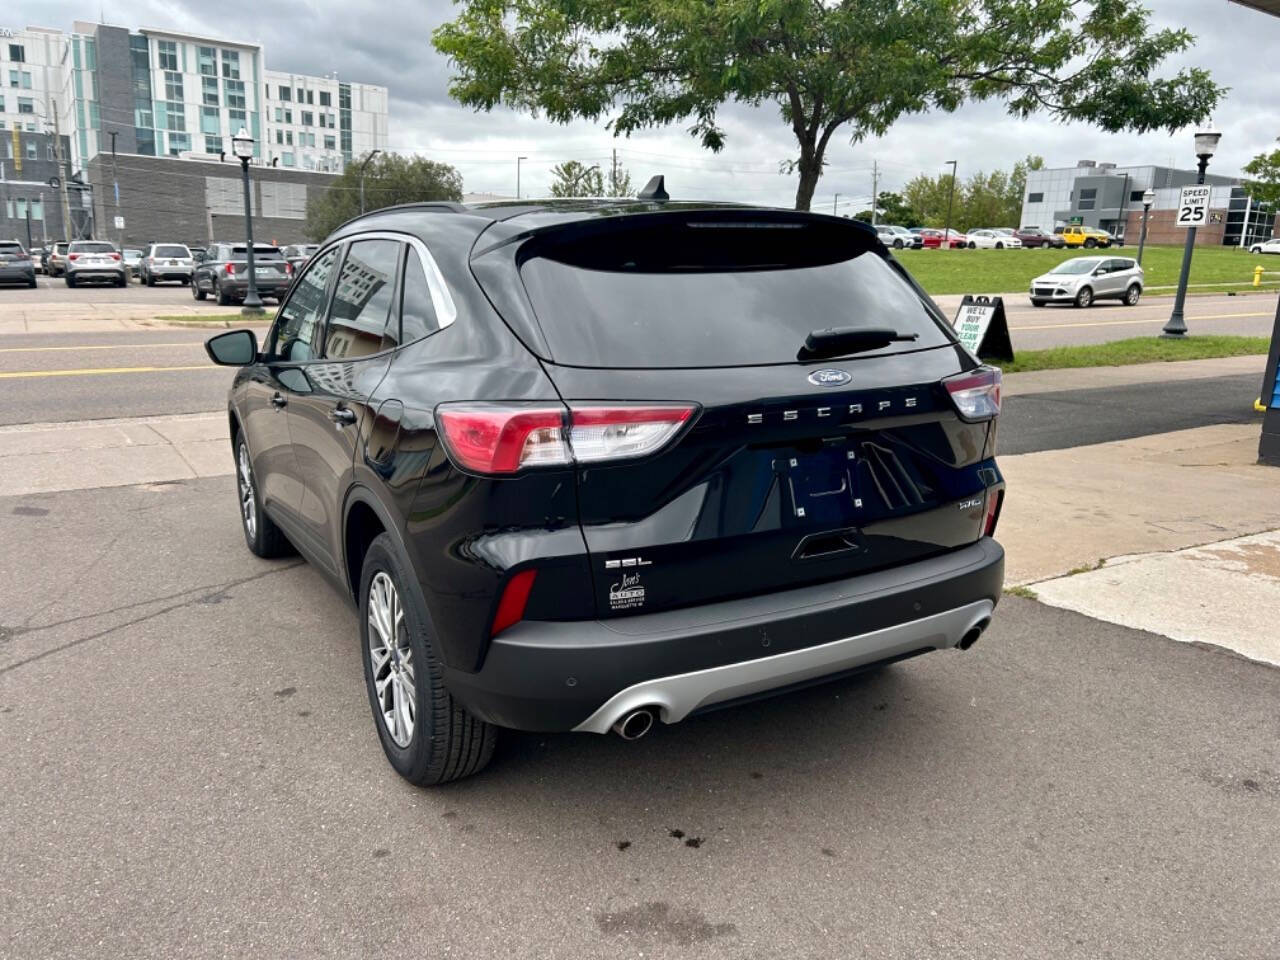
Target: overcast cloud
{"x": 389, "y": 43}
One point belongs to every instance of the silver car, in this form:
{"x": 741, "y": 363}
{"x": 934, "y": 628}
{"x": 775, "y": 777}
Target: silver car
{"x": 94, "y": 260}
{"x": 1083, "y": 280}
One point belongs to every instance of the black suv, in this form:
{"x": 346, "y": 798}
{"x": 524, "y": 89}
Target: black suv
{"x": 583, "y": 465}
{"x": 224, "y": 272}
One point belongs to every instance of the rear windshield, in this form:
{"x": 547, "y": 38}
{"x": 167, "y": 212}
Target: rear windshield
{"x": 9, "y": 247}
{"x": 708, "y": 293}
{"x": 171, "y": 250}
{"x": 259, "y": 253}
{"x": 89, "y": 246}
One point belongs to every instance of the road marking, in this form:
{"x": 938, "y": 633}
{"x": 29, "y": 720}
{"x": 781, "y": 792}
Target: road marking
{"x": 101, "y": 346}
{"x": 1118, "y": 323}
{"x": 96, "y": 371}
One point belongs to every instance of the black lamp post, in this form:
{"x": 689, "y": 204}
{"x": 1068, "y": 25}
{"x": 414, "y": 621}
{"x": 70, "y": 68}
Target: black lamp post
{"x": 951, "y": 192}
{"x": 1148, "y": 198}
{"x": 242, "y": 147}
{"x": 1176, "y": 328}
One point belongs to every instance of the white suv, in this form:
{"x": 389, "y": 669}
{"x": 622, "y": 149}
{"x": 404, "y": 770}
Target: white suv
{"x": 94, "y": 260}
{"x": 166, "y": 261}
{"x": 1085, "y": 280}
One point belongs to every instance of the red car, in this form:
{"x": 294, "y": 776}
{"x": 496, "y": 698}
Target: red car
{"x": 933, "y": 239}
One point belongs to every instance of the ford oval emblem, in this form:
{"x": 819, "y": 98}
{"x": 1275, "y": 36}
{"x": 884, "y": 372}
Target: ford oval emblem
{"x": 829, "y": 378}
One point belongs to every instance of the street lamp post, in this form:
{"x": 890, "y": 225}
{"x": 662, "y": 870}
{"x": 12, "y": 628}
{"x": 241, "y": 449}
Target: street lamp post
{"x": 518, "y": 161}
{"x": 1148, "y": 198}
{"x": 835, "y": 202}
{"x": 242, "y": 147}
{"x": 1176, "y": 328}
{"x": 951, "y": 192}
{"x": 372, "y": 154}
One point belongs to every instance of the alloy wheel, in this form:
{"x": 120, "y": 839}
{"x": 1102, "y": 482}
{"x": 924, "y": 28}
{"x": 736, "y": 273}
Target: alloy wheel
{"x": 391, "y": 658}
{"x": 248, "y": 508}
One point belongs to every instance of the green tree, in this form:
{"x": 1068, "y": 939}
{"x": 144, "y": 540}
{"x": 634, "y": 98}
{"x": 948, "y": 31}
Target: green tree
{"x": 927, "y": 198}
{"x": 1264, "y": 178}
{"x": 389, "y": 178}
{"x": 859, "y": 64}
{"x": 574, "y": 179}
{"x": 891, "y": 208}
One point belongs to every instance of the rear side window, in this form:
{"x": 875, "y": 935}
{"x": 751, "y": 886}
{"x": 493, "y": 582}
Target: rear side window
{"x": 418, "y": 314}
{"x": 362, "y": 300}
{"x": 172, "y": 250}
{"x": 713, "y": 293}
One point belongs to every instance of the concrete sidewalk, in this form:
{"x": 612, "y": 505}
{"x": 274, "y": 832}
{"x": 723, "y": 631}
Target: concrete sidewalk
{"x": 47, "y": 457}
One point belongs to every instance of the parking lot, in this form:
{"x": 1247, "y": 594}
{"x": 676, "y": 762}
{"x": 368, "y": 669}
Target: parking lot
{"x": 187, "y": 736}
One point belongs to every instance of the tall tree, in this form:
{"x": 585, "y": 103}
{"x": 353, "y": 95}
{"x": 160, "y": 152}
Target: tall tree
{"x": 574, "y": 179}
{"x": 826, "y": 64}
{"x": 1264, "y": 178}
{"x": 389, "y": 178}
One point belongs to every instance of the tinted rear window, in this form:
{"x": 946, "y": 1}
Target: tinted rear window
{"x": 704, "y": 294}
{"x": 91, "y": 247}
{"x": 171, "y": 250}
{"x": 259, "y": 253}
{"x": 6, "y": 247}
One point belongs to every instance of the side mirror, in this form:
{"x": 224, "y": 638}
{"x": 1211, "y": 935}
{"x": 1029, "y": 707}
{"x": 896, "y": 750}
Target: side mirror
{"x": 235, "y": 348}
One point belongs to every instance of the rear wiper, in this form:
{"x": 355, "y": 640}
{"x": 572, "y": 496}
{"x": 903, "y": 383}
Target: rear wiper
{"x": 837, "y": 341}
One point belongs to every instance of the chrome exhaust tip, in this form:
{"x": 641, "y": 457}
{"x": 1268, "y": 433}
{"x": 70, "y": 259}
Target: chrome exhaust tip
{"x": 634, "y": 725}
{"x": 971, "y": 636}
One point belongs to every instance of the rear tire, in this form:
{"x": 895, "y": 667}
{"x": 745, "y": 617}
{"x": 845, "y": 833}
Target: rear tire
{"x": 429, "y": 738}
{"x": 196, "y": 292}
{"x": 32, "y": 284}
{"x": 1084, "y": 298}
{"x": 224, "y": 299}
{"x": 973, "y": 245}
{"x": 122, "y": 281}
{"x": 70, "y": 280}
{"x": 1132, "y": 295}
{"x": 150, "y": 281}
{"x": 1090, "y": 243}
{"x": 261, "y": 535}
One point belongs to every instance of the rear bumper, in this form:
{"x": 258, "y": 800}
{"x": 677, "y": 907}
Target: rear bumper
{"x": 266, "y": 288}
{"x": 95, "y": 273}
{"x": 584, "y": 675}
{"x": 14, "y": 273}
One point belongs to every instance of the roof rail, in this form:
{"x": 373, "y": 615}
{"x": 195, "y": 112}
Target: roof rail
{"x": 442, "y": 206}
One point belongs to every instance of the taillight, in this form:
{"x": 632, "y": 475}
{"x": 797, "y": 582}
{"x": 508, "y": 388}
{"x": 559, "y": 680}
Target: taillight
{"x": 515, "y": 596}
{"x": 500, "y": 438}
{"x": 976, "y": 394}
{"x": 994, "y": 498}
{"x": 73, "y": 256}
{"x": 288, "y": 269}
{"x": 231, "y": 268}
{"x": 115, "y": 256}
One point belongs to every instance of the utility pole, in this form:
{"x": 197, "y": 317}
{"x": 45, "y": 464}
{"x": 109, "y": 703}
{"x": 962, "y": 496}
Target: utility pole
{"x": 834, "y": 202}
{"x": 62, "y": 174}
{"x": 875, "y": 189}
{"x": 519, "y": 160}
{"x": 613, "y": 177}
{"x": 115, "y": 189}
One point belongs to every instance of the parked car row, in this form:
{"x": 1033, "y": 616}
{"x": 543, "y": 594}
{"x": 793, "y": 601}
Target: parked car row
{"x": 220, "y": 270}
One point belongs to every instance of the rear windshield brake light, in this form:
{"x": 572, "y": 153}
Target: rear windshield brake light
{"x": 502, "y": 439}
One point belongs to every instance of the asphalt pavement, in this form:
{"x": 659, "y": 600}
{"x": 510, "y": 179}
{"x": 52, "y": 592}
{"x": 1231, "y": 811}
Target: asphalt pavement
{"x": 191, "y": 770}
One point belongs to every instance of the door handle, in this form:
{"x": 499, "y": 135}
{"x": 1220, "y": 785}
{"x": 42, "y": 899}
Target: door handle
{"x": 278, "y": 399}
{"x": 342, "y": 416}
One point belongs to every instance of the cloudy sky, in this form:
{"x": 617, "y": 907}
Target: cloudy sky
{"x": 388, "y": 42}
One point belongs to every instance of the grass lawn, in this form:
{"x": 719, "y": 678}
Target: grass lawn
{"x": 1005, "y": 271}
{"x": 1120, "y": 353}
{"x": 216, "y": 319}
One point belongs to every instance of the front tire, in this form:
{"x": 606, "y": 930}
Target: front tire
{"x": 1037, "y": 303}
{"x": 897, "y": 244}
{"x": 196, "y": 292}
{"x": 1132, "y": 295}
{"x": 999, "y": 245}
{"x": 427, "y": 736}
{"x": 261, "y": 535}
{"x": 1085, "y": 297}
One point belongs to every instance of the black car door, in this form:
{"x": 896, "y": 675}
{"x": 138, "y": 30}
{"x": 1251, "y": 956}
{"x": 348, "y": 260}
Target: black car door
{"x": 326, "y": 423}
{"x": 279, "y": 380}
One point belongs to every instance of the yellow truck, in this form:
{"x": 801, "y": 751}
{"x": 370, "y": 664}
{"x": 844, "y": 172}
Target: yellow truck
{"x": 1078, "y": 236}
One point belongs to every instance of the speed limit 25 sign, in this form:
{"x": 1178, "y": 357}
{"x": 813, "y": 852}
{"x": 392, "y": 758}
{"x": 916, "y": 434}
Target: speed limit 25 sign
{"x": 1193, "y": 207}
